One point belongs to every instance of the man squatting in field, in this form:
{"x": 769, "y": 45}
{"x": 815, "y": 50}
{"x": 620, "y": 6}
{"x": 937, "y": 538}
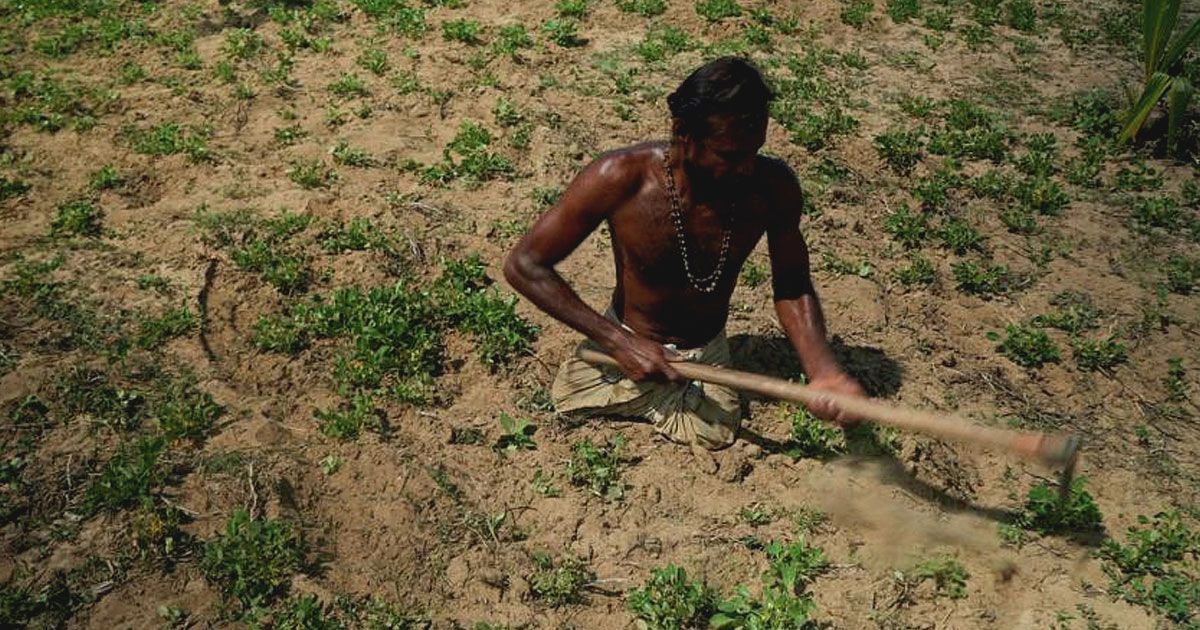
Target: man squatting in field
{"x": 683, "y": 215}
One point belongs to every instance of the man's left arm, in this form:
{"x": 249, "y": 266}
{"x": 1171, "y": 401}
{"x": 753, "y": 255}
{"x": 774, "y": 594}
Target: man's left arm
{"x": 796, "y": 301}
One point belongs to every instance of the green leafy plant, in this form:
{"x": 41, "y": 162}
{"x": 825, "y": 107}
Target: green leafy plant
{"x": 901, "y": 150}
{"x": 907, "y": 227}
{"x": 1157, "y": 212}
{"x": 347, "y": 155}
{"x": 347, "y": 421}
{"x": 153, "y": 331}
{"x": 373, "y": 60}
{"x": 598, "y": 468}
{"x": 948, "y": 574}
{"x": 1152, "y": 569}
{"x": 462, "y": 30}
{"x": 856, "y": 12}
{"x": 960, "y": 236}
{"x": 1022, "y": 15}
{"x": 983, "y": 279}
{"x": 1027, "y": 346}
{"x": 1098, "y": 354}
{"x": 288, "y": 272}
{"x": 903, "y": 10}
{"x": 106, "y": 178}
{"x": 662, "y": 42}
{"x": 349, "y": 85}
{"x": 518, "y": 434}
{"x": 644, "y": 8}
{"x": 185, "y": 412}
{"x": 784, "y": 602}
{"x": 919, "y": 271}
{"x": 1183, "y": 274}
{"x": 128, "y": 477}
{"x": 563, "y": 32}
{"x": 311, "y": 173}
{"x": 10, "y": 188}
{"x": 357, "y": 235}
{"x": 1075, "y": 313}
{"x": 812, "y": 437}
{"x": 172, "y": 139}
{"x": 77, "y": 218}
{"x": 559, "y": 583}
{"x": 671, "y": 601}
{"x": 1176, "y": 380}
{"x": 577, "y": 9}
{"x": 716, "y": 10}
{"x": 1163, "y": 54}
{"x": 1045, "y": 513}
{"x": 253, "y": 560}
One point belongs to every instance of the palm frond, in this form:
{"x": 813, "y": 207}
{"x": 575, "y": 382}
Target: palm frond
{"x": 1158, "y": 22}
{"x": 1137, "y": 114}
{"x": 1177, "y": 103}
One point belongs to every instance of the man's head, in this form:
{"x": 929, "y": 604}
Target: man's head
{"x": 720, "y": 117}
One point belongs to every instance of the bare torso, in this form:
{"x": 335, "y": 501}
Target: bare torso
{"x": 653, "y": 295}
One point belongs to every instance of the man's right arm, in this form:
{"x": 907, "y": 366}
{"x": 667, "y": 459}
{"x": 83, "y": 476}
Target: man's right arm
{"x": 591, "y": 198}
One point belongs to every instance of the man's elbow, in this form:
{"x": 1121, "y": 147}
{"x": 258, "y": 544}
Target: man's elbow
{"x": 516, "y": 269}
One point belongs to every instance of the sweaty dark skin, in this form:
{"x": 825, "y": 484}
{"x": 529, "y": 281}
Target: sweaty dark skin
{"x": 722, "y": 183}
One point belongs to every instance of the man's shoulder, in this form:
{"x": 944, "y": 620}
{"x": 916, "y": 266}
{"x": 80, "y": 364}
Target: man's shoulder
{"x": 631, "y": 159}
{"x": 775, "y": 171}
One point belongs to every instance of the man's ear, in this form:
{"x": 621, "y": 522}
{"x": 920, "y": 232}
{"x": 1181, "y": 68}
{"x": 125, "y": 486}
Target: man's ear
{"x": 678, "y": 129}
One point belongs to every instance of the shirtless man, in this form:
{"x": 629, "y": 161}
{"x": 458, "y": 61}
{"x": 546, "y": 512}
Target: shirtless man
{"x": 683, "y": 215}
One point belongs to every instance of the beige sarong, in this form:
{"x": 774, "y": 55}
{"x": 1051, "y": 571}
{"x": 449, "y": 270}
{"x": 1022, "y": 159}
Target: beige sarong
{"x": 688, "y": 412}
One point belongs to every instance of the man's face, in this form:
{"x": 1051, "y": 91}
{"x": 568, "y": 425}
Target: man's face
{"x": 725, "y": 153}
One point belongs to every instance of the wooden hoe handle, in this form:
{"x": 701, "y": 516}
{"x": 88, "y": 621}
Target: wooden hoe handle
{"x": 1055, "y": 451}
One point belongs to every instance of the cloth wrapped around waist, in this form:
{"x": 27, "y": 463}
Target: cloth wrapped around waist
{"x": 687, "y": 412}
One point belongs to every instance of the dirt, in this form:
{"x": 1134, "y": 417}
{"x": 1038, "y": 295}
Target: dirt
{"x": 380, "y": 526}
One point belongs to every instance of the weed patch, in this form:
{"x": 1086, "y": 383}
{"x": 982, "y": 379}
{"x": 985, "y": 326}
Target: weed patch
{"x": 560, "y": 583}
{"x": 669, "y": 600}
{"x": 1027, "y": 346}
{"x": 77, "y": 218}
{"x": 253, "y": 560}
{"x": 598, "y": 468}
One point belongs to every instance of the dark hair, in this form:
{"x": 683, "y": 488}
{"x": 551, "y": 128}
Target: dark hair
{"x": 729, "y": 85}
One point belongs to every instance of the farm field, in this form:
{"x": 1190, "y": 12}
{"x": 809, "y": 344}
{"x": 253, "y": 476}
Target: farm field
{"x": 259, "y": 366}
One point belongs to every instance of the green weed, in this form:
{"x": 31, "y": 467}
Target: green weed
{"x": 290, "y": 135}
{"x": 373, "y": 60}
{"x": 286, "y": 271}
{"x": 662, "y": 42}
{"x": 644, "y": 8}
{"x": 311, "y": 173}
{"x": 970, "y": 131}
{"x": 670, "y": 601}
{"x": 1183, "y": 274}
{"x": 253, "y": 560}
{"x": 172, "y": 139}
{"x": 347, "y": 421}
{"x": 856, "y": 12}
{"x": 1098, "y": 354}
{"x": 1046, "y": 514}
{"x": 901, "y": 150}
{"x": 919, "y": 271}
{"x": 51, "y": 105}
{"x": 716, "y": 10}
{"x": 903, "y": 10}
{"x": 1076, "y": 313}
{"x": 559, "y": 583}
{"x": 1042, "y": 195}
{"x": 598, "y": 468}
{"x": 513, "y": 38}
{"x": 939, "y": 20}
{"x": 1158, "y": 212}
{"x": 934, "y": 190}
{"x": 10, "y": 188}
{"x": 1022, "y": 15}
{"x": 357, "y": 235}
{"x": 350, "y": 85}
{"x": 948, "y": 574}
{"x": 462, "y": 30}
{"x": 242, "y": 43}
{"x": 77, "y": 218}
{"x": 565, "y": 33}
{"x": 907, "y": 227}
{"x": 128, "y": 477}
{"x": 1138, "y": 176}
{"x": 812, "y": 437}
{"x": 960, "y": 236}
{"x": 754, "y": 274}
{"x": 1152, "y": 569}
{"x": 518, "y": 434}
{"x": 544, "y": 485}
{"x": 185, "y": 412}
{"x": 1027, "y": 346}
{"x": 106, "y": 178}
{"x": 784, "y": 602}
{"x": 1176, "y": 381}
{"x": 983, "y": 279}
{"x": 575, "y": 9}
{"x": 346, "y": 155}
{"x": 177, "y": 322}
